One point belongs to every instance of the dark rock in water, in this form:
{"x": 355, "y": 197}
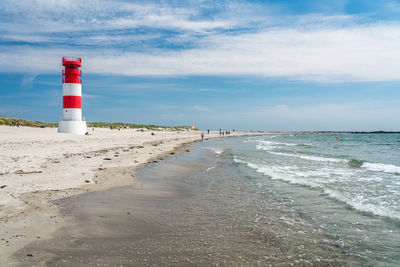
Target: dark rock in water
{"x": 140, "y": 146}
{"x": 29, "y": 255}
{"x": 107, "y": 159}
{"x": 87, "y": 181}
{"x": 3, "y": 186}
{"x": 355, "y": 163}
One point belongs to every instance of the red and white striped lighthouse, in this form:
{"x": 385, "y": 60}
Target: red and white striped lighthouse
{"x": 72, "y": 97}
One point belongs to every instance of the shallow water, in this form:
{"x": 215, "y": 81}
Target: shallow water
{"x": 202, "y": 208}
{"x": 347, "y": 187}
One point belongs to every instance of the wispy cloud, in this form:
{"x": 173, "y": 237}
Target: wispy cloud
{"x": 196, "y": 38}
{"x": 91, "y": 96}
{"x": 27, "y": 80}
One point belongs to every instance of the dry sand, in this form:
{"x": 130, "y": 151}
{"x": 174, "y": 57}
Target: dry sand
{"x": 40, "y": 165}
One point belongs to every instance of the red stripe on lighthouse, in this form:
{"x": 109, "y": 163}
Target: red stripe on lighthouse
{"x": 71, "y": 101}
{"x": 72, "y": 75}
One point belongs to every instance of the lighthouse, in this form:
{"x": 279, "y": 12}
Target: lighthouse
{"x": 72, "y": 97}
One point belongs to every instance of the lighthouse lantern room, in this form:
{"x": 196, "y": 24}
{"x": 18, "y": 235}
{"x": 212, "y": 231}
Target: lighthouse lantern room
{"x": 72, "y": 97}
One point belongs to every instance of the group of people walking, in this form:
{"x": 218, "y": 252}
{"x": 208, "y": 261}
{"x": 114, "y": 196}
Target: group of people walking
{"x": 221, "y": 133}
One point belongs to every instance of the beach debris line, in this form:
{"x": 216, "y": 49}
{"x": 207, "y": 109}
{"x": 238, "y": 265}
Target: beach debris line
{"x": 24, "y": 172}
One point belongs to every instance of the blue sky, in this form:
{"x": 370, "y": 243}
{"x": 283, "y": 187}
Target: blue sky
{"x": 256, "y": 65}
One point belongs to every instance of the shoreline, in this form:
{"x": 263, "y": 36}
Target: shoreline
{"x": 27, "y": 211}
{"x": 193, "y": 209}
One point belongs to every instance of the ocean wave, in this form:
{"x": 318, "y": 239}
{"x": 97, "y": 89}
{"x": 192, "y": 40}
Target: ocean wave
{"x": 313, "y": 158}
{"x": 275, "y": 143}
{"x": 380, "y": 167}
{"x": 270, "y": 145}
{"x": 358, "y": 204}
{"x": 289, "y": 174}
{"x": 361, "y": 204}
{"x": 216, "y": 150}
{"x": 355, "y": 163}
{"x": 294, "y": 175}
{"x": 237, "y": 160}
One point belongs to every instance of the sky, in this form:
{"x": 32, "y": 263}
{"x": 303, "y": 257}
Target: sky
{"x": 271, "y": 65}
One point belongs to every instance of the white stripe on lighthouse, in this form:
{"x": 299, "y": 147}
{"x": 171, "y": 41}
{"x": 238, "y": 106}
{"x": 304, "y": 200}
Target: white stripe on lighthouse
{"x": 72, "y": 114}
{"x": 72, "y": 89}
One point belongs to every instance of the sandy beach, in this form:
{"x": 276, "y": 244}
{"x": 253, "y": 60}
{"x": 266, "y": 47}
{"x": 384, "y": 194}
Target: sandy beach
{"x": 38, "y": 166}
{"x": 195, "y": 208}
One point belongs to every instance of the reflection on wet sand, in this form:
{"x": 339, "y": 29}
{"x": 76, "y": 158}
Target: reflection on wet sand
{"x": 181, "y": 212}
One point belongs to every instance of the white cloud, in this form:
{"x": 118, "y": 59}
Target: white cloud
{"x": 314, "y": 48}
{"x": 27, "y": 80}
{"x": 68, "y": 16}
{"x": 362, "y": 53}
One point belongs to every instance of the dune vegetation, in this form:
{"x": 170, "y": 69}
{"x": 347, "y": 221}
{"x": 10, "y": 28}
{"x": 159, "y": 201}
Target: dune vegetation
{"x": 112, "y": 125}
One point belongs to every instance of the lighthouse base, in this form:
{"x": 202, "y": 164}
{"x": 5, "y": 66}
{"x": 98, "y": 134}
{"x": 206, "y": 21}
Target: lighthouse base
{"x": 72, "y": 127}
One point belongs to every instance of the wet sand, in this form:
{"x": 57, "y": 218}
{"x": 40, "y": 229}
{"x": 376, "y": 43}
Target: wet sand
{"x": 39, "y": 165}
{"x": 183, "y": 211}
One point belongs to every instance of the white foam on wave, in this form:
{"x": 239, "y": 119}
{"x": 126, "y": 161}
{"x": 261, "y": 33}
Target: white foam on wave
{"x": 380, "y": 167}
{"x": 269, "y": 145}
{"x": 319, "y": 179}
{"x": 275, "y": 143}
{"x": 216, "y": 150}
{"x": 289, "y": 174}
{"x": 313, "y": 158}
{"x": 237, "y": 160}
{"x": 209, "y": 169}
{"x": 361, "y": 204}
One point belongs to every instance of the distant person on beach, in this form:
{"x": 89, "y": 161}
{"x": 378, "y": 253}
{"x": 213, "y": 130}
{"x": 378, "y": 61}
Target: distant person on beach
{"x": 202, "y": 136}
{"x": 208, "y": 131}
{"x": 220, "y": 132}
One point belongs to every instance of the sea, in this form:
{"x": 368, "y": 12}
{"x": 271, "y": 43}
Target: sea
{"x": 346, "y": 186}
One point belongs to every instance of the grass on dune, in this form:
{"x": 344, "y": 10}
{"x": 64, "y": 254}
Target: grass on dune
{"x": 112, "y": 125}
